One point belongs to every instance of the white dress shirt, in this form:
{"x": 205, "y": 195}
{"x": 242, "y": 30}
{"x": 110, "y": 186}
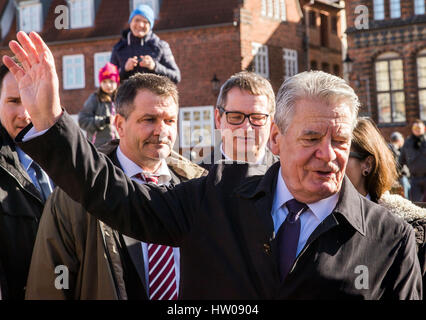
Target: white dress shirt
{"x": 130, "y": 169}
{"x": 309, "y": 220}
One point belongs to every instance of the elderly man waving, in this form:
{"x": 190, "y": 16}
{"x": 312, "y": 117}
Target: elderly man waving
{"x": 301, "y": 231}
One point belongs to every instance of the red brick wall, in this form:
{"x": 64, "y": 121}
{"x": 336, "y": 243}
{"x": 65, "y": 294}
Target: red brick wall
{"x": 275, "y": 34}
{"x": 73, "y": 100}
{"x": 200, "y": 54}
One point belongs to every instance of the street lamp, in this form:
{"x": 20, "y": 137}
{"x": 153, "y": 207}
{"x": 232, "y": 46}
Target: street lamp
{"x": 348, "y": 63}
{"x": 215, "y": 84}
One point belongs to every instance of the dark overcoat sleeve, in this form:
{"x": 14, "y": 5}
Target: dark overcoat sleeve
{"x": 145, "y": 212}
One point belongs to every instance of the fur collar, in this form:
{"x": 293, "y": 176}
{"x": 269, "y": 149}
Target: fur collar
{"x": 402, "y": 207}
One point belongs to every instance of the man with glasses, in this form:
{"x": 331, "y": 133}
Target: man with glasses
{"x": 243, "y": 118}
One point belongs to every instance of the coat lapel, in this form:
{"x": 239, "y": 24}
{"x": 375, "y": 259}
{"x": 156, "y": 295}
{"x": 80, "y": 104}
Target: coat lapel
{"x": 134, "y": 248}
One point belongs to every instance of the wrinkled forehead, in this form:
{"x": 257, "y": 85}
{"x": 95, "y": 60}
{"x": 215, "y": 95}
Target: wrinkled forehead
{"x": 319, "y": 116}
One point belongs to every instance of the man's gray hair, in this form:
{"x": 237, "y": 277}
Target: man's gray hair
{"x": 316, "y": 85}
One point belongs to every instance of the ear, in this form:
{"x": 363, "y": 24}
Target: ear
{"x": 217, "y": 118}
{"x": 119, "y": 122}
{"x": 368, "y": 164}
{"x": 274, "y": 139}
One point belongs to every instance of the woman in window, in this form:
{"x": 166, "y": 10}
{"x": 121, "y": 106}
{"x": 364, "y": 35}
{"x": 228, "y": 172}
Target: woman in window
{"x": 372, "y": 170}
{"x": 97, "y": 115}
{"x": 140, "y": 50}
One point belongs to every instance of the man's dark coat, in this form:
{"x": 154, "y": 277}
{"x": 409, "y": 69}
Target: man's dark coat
{"x": 21, "y": 206}
{"x": 223, "y": 225}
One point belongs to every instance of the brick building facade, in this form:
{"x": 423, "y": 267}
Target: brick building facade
{"x": 387, "y": 42}
{"x": 210, "y": 39}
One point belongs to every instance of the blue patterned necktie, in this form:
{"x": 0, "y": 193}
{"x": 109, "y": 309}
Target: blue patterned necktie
{"x": 288, "y": 236}
{"x": 43, "y": 181}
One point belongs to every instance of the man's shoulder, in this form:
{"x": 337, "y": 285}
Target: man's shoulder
{"x": 184, "y": 168}
{"x": 70, "y": 214}
{"x": 380, "y": 223}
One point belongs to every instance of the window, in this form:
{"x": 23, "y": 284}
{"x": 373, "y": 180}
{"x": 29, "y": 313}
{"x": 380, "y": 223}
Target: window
{"x": 379, "y": 9}
{"x": 100, "y": 60}
{"x": 312, "y": 19}
{"x": 152, "y": 3}
{"x": 421, "y": 82}
{"x": 419, "y": 6}
{"x": 395, "y": 8}
{"x": 260, "y": 59}
{"x": 283, "y": 10}
{"x": 274, "y": 9}
{"x": 196, "y": 126}
{"x": 325, "y": 67}
{"x": 73, "y": 71}
{"x": 390, "y": 88}
{"x": 82, "y": 13}
{"x": 30, "y": 16}
{"x": 290, "y": 63}
{"x": 336, "y": 70}
{"x": 334, "y": 24}
{"x": 314, "y": 65}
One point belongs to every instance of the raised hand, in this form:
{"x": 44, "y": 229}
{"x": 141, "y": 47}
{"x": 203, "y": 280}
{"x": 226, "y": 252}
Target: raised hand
{"x": 37, "y": 79}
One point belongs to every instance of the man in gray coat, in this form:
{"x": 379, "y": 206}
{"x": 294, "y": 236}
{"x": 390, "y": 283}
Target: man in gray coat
{"x": 243, "y": 117}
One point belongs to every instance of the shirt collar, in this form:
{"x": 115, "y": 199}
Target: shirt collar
{"x": 262, "y": 158}
{"x": 25, "y": 159}
{"x": 321, "y": 209}
{"x": 130, "y": 168}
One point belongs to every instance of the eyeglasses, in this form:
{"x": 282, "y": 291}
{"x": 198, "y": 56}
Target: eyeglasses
{"x": 358, "y": 155}
{"x": 236, "y": 117}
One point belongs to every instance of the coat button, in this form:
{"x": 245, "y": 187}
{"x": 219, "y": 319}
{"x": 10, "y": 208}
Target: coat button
{"x": 267, "y": 248}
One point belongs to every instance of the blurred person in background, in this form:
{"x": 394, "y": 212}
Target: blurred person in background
{"x": 396, "y": 143}
{"x": 413, "y": 154}
{"x": 97, "y": 115}
{"x": 24, "y": 188}
{"x": 372, "y": 170}
{"x": 140, "y": 50}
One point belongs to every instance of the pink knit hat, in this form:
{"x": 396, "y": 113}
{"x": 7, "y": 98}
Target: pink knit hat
{"x": 109, "y": 71}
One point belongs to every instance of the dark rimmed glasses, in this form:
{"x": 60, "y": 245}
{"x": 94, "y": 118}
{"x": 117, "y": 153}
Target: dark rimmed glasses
{"x": 237, "y": 118}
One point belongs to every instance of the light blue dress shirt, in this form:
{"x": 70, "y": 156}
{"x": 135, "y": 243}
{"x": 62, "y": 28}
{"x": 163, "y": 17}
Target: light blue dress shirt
{"x": 26, "y": 162}
{"x": 130, "y": 169}
{"x": 309, "y": 220}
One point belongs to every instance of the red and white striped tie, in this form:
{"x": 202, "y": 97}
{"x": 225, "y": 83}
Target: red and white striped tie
{"x": 161, "y": 266}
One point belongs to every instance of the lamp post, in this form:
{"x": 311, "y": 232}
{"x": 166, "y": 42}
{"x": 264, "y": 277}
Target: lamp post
{"x": 215, "y": 84}
{"x": 347, "y": 65}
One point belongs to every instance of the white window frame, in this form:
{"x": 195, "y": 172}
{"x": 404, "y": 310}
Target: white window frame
{"x": 395, "y": 8}
{"x": 419, "y": 7}
{"x": 263, "y": 8}
{"x": 81, "y": 24}
{"x": 191, "y": 123}
{"x": 154, "y": 4}
{"x": 260, "y": 57}
{"x": 283, "y": 6}
{"x": 34, "y": 18}
{"x": 379, "y": 9}
{"x": 99, "y": 60}
{"x": 74, "y": 66}
{"x": 269, "y": 8}
{"x": 290, "y": 61}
